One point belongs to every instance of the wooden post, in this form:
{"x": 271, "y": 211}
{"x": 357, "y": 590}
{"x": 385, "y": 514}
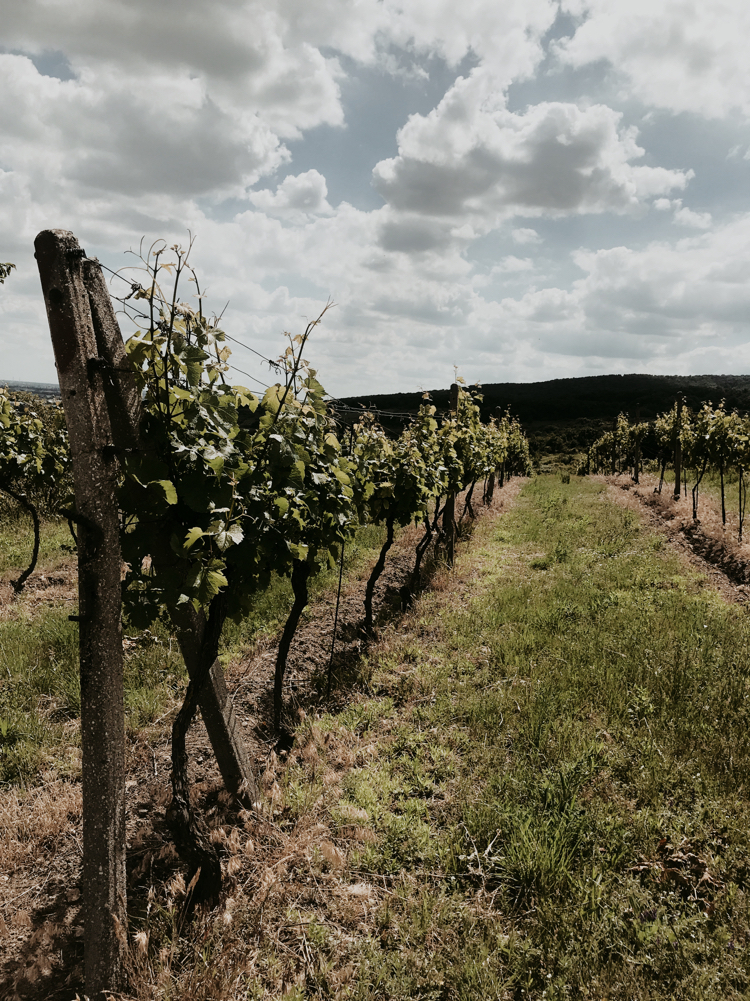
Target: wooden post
{"x": 60, "y": 261}
{"x": 637, "y": 458}
{"x": 678, "y": 452}
{"x": 124, "y": 403}
{"x": 449, "y": 511}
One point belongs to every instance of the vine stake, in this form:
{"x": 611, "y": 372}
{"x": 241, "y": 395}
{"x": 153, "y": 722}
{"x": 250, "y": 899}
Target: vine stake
{"x": 60, "y": 261}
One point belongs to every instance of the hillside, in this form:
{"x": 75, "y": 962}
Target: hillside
{"x": 566, "y": 415}
{"x": 597, "y": 397}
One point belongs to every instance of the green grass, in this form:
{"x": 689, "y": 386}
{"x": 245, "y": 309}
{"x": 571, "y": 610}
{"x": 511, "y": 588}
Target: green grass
{"x": 40, "y": 697}
{"x": 543, "y": 752}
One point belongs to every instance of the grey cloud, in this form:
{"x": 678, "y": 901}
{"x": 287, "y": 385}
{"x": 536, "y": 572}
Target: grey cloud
{"x": 412, "y": 235}
{"x": 242, "y": 53}
{"x": 300, "y": 194}
{"x": 92, "y": 134}
{"x": 135, "y": 32}
{"x": 133, "y": 153}
{"x": 422, "y": 308}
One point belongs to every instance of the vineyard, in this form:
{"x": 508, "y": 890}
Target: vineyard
{"x": 215, "y": 492}
{"x": 510, "y": 760}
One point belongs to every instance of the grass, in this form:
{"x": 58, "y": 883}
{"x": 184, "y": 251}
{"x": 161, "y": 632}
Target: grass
{"x": 595, "y": 699}
{"x": 539, "y": 791}
{"x": 17, "y": 541}
{"x": 551, "y": 776}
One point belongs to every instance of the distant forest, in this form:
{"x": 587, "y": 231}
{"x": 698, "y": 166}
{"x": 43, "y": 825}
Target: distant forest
{"x": 561, "y": 416}
{"x": 566, "y": 415}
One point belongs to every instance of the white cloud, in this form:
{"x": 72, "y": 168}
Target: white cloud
{"x": 172, "y": 110}
{"x": 525, "y": 235}
{"x": 471, "y": 160}
{"x": 676, "y": 54}
{"x": 239, "y": 55}
{"x": 659, "y": 308}
{"x": 166, "y": 136}
{"x": 300, "y": 195}
{"x": 698, "y": 220}
{"x": 513, "y": 264}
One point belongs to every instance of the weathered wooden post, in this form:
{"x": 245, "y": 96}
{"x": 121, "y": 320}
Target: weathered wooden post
{"x": 60, "y": 261}
{"x": 449, "y": 511}
{"x": 637, "y": 457}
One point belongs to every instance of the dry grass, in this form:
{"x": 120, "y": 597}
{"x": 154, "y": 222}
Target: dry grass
{"x": 680, "y": 513}
{"x": 34, "y": 824}
{"x": 44, "y": 587}
{"x": 39, "y": 896}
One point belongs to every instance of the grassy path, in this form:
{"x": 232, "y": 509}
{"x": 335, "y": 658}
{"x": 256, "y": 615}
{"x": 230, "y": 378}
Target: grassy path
{"x": 550, "y": 778}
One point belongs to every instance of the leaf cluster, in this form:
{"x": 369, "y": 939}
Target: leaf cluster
{"x": 34, "y": 451}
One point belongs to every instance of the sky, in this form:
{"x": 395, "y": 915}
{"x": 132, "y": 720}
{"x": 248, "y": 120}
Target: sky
{"x": 514, "y": 191}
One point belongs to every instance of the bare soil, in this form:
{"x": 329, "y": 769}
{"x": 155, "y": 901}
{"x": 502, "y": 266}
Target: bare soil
{"x": 44, "y": 587}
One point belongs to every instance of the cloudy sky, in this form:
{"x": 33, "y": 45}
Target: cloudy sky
{"x": 525, "y": 190}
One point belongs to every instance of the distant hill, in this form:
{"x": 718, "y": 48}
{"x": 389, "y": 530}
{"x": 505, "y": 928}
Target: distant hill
{"x": 596, "y": 397}
{"x": 567, "y": 415}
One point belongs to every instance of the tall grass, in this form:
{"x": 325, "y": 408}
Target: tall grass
{"x": 568, "y": 808}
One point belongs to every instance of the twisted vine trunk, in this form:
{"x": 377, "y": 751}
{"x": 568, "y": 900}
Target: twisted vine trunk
{"x": 24, "y": 501}
{"x": 436, "y": 519}
{"x": 677, "y": 452}
{"x": 300, "y": 577}
{"x": 407, "y": 591}
{"x": 695, "y": 490}
{"x": 217, "y": 713}
{"x": 467, "y": 504}
{"x": 191, "y": 837}
{"x": 376, "y": 572}
{"x": 489, "y": 492}
{"x": 742, "y": 501}
{"x": 661, "y": 474}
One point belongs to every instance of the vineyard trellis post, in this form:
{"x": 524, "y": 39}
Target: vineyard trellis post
{"x": 61, "y": 269}
{"x": 677, "y": 450}
{"x": 449, "y": 512}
